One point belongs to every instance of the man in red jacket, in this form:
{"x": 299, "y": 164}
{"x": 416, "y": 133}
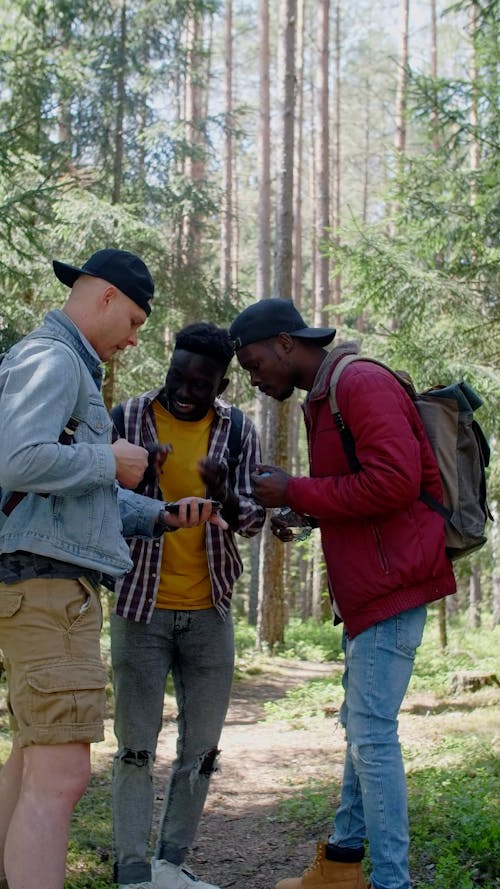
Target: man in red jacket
{"x": 386, "y": 559}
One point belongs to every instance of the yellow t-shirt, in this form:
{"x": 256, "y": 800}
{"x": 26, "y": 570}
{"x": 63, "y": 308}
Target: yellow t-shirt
{"x": 184, "y": 576}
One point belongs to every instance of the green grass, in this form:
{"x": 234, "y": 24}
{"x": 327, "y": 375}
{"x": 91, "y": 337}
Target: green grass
{"x": 304, "y": 640}
{"x": 89, "y": 865}
{"x": 314, "y": 698}
{"x": 454, "y": 819}
{"x": 453, "y": 784}
{"x": 467, "y": 650}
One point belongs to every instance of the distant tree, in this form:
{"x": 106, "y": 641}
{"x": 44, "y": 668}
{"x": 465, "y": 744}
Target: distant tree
{"x": 321, "y": 288}
{"x": 271, "y": 621}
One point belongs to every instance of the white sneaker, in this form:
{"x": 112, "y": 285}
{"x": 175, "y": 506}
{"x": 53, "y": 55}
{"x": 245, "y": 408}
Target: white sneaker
{"x": 176, "y": 876}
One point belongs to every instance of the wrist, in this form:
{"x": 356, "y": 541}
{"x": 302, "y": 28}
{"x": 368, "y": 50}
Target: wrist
{"x": 164, "y": 518}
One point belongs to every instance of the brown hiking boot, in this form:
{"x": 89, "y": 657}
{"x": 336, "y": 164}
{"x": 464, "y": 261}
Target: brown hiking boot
{"x": 325, "y": 874}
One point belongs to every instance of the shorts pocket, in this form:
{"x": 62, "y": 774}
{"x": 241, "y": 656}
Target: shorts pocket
{"x": 67, "y": 694}
{"x": 10, "y": 604}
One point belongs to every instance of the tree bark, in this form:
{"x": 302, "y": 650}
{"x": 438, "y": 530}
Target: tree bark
{"x": 271, "y": 624}
{"x": 195, "y": 127}
{"x": 475, "y": 598}
{"x": 323, "y": 178}
{"x": 264, "y": 158}
{"x": 284, "y": 201}
{"x": 108, "y": 387}
{"x": 400, "y": 134}
{"x": 495, "y": 549}
{"x": 336, "y": 178}
{"x": 226, "y": 258}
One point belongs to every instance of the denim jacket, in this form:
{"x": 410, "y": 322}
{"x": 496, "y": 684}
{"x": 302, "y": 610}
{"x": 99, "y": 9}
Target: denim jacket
{"x": 50, "y": 375}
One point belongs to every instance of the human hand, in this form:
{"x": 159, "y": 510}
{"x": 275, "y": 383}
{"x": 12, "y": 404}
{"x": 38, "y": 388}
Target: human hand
{"x": 131, "y": 461}
{"x": 214, "y": 476}
{"x": 269, "y": 485}
{"x": 158, "y": 453}
{"x": 288, "y": 525}
{"x": 189, "y": 512}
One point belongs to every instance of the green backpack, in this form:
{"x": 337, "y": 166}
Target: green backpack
{"x": 460, "y": 447}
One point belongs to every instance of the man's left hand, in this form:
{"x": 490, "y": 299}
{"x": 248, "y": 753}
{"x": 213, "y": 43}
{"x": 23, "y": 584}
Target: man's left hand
{"x": 193, "y": 511}
{"x": 214, "y": 476}
{"x": 269, "y": 485}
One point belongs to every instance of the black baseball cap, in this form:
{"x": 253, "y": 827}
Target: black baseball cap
{"x": 270, "y": 317}
{"x": 119, "y": 267}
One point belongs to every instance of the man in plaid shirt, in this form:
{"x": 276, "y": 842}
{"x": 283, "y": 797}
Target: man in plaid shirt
{"x": 172, "y": 610}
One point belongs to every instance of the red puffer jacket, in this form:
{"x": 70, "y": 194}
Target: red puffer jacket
{"x": 384, "y": 548}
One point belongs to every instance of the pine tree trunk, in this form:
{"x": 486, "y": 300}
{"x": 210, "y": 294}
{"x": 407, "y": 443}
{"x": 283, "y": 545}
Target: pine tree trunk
{"x": 495, "y": 549}
{"x": 264, "y": 159}
{"x": 443, "y": 628}
{"x": 400, "y": 134}
{"x": 323, "y": 178}
{"x": 284, "y": 199}
{"x": 475, "y": 156}
{"x": 108, "y": 386}
{"x": 336, "y": 179}
{"x": 195, "y": 157}
{"x": 271, "y": 625}
{"x": 475, "y": 598}
{"x": 226, "y": 253}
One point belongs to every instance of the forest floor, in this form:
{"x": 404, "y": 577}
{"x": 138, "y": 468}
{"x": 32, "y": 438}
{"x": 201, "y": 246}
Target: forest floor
{"x": 242, "y": 840}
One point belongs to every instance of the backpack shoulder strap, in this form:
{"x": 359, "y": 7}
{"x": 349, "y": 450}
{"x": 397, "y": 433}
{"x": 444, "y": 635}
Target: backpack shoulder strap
{"x": 118, "y": 417}
{"x": 337, "y": 371}
{"x": 344, "y": 432}
{"x": 234, "y": 443}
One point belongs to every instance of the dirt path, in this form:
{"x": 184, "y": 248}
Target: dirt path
{"x": 239, "y": 844}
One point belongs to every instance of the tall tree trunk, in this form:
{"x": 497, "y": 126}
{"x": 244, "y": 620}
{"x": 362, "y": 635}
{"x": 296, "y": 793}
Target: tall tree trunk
{"x": 319, "y": 579}
{"x": 264, "y": 158}
{"x": 195, "y": 133}
{"x": 226, "y": 259}
{"x": 443, "y": 627}
{"x": 284, "y": 199}
{"x": 271, "y": 624}
{"x": 475, "y": 155}
{"x": 337, "y": 280}
{"x": 475, "y": 597}
{"x": 434, "y": 73}
{"x": 495, "y": 549}
{"x": 367, "y": 148}
{"x": 298, "y": 161}
{"x": 263, "y": 282}
{"x": 323, "y": 178}
{"x": 402, "y": 83}
{"x": 116, "y": 194}
{"x": 253, "y": 588}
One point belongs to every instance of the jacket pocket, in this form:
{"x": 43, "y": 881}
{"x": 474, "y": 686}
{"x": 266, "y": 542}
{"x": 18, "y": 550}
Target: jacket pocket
{"x": 384, "y": 563}
{"x": 97, "y": 421}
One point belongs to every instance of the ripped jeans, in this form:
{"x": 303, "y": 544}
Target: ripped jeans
{"x": 373, "y": 805}
{"x": 197, "y": 648}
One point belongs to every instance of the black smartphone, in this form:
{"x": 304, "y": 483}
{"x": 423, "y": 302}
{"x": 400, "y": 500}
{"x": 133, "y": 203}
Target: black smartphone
{"x": 174, "y": 507}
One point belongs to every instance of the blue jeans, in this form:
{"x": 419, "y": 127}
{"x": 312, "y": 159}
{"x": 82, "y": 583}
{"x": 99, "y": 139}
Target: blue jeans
{"x": 197, "y": 647}
{"x": 378, "y": 668}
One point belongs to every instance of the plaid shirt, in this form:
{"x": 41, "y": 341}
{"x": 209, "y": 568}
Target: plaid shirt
{"x": 136, "y": 592}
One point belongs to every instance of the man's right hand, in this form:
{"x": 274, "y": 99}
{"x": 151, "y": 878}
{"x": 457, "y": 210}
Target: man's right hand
{"x": 131, "y": 462}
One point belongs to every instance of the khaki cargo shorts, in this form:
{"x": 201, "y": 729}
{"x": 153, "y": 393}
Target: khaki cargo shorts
{"x": 50, "y": 638}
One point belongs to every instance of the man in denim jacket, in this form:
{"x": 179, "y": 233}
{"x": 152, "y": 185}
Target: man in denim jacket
{"x": 62, "y": 516}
